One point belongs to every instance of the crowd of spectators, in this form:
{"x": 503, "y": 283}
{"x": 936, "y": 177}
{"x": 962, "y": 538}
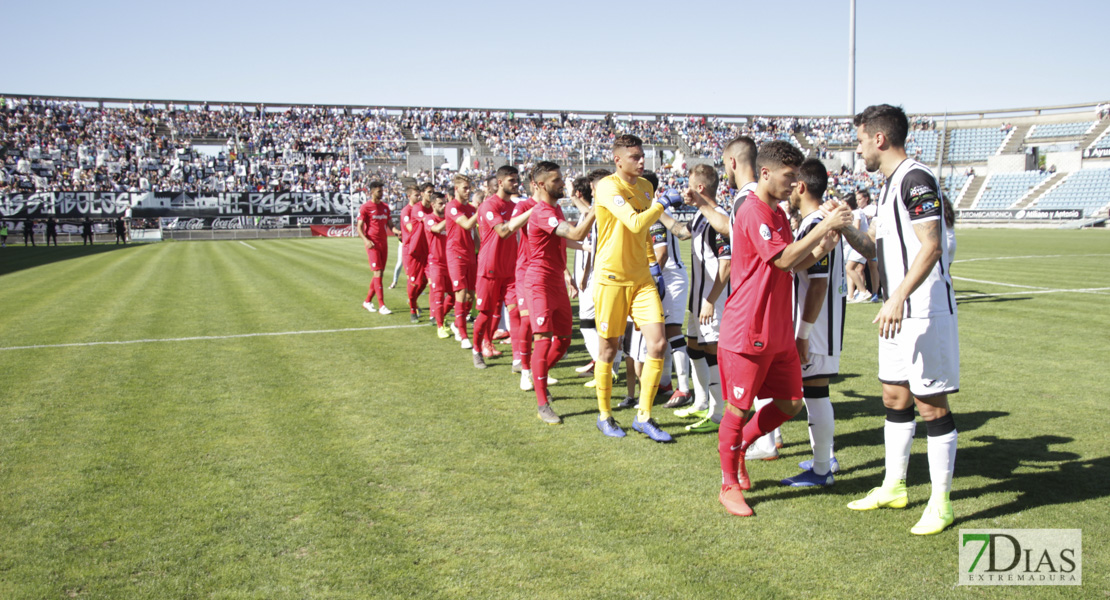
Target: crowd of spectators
{"x": 50, "y": 145}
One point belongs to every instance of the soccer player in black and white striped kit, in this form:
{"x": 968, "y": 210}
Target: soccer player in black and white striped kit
{"x": 819, "y": 302}
{"x": 919, "y": 352}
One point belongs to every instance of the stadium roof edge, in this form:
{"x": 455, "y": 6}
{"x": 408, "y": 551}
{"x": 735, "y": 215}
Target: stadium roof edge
{"x": 1001, "y": 112}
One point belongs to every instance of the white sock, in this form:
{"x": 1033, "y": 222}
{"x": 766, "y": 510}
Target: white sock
{"x": 716, "y": 405}
{"x": 701, "y": 383}
{"x": 942, "y": 460}
{"x": 589, "y": 337}
{"x": 767, "y": 442}
{"x": 898, "y": 438}
{"x": 820, "y": 413}
{"x": 681, "y": 362}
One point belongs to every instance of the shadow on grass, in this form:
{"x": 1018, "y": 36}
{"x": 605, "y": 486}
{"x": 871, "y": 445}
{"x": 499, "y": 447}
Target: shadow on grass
{"x": 18, "y": 258}
{"x": 982, "y": 297}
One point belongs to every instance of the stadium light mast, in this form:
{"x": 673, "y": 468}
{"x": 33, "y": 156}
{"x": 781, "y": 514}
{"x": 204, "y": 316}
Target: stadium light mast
{"x": 851, "y": 57}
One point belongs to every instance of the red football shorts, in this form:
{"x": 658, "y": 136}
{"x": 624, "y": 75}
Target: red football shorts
{"x": 463, "y": 272}
{"x": 439, "y": 279}
{"x": 549, "y": 309}
{"x": 744, "y": 377}
{"x": 378, "y": 255}
{"x": 492, "y": 291}
{"x": 416, "y": 269}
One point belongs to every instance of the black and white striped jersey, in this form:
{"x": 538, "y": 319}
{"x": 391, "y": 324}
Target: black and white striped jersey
{"x": 827, "y": 335}
{"x": 912, "y": 196}
{"x": 707, "y": 249}
{"x": 674, "y": 269}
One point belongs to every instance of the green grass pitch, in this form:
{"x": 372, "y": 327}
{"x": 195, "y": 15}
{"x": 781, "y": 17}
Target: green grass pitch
{"x": 360, "y": 457}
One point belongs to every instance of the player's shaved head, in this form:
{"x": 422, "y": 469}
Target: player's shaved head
{"x": 777, "y": 154}
{"x": 813, "y": 174}
{"x": 543, "y": 169}
{"x": 889, "y": 120}
{"x": 705, "y": 175}
{"x": 743, "y": 149}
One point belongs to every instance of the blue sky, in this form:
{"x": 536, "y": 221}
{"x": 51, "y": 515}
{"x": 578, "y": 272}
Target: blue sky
{"x": 686, "y": 57}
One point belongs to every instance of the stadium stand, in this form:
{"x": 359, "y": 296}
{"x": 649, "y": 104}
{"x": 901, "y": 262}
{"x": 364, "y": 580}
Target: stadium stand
{"x": 974, "y": 144}
{"x": 926, "y": 142}
{"x": 1003, "y": 190}
{"x": 954, "y": 185}
{"x": 1056, "y": 130}
{"x": 1086, "y": 189}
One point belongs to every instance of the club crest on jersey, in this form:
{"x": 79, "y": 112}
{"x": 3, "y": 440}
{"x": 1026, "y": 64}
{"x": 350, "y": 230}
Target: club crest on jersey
{"x": 489, "y": 215}
{"x": 618, "y": 200}
{"x": 455, "y": 283}
{"x": 765, "y": 232}
{"x": 737, "y": 392}
{"x": 540, "y": 321}
{"x": 552, "y": 221}
{"x": 479, "y": 301}
{"x": 604, "y": 327}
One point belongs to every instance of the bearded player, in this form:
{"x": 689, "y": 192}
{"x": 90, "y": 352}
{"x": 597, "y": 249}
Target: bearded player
{"x": 548, "y": 301}
{"x": 462, "y": 257}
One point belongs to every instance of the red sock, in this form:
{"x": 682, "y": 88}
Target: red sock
{"x": 558, "y": 351}
{"x": 448, "y": 304}
{"x": 765, "y": 421}
{"x": 539, "y": 368}
{"x": 379, "y": 290}
{"x": 370, "y": 292}
{"x": 526, "y": 342}
{"x": 480, "y": 327}
{"x": 514, "y": 333}
{"x": 460, "y": 318}
{"x": 411, "y": 288}
{"x": 728, "y": 440}
{"x": 436, "y": 301}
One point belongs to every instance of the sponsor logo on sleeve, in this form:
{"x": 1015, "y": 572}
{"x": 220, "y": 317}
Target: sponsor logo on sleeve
{"x": 765, "y": 232}
{"x": 552, "y": 221}
{"x": 618, "y": 200}
{"x": 489, "y": 215}
{"x": 454, "y": 211}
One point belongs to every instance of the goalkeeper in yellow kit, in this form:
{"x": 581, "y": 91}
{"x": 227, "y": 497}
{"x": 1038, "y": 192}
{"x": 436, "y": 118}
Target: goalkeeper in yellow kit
{"x": 628, "y": 282}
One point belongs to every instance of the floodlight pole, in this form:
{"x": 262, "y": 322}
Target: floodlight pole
{"x": 852, "y": 57}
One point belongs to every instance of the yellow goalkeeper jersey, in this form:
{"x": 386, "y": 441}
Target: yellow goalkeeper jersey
{"x": 624, "y": 214}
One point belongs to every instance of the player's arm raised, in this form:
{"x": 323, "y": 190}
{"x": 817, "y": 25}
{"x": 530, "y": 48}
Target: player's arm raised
{"x": 577, "y": 232}
{"x": 507, "y": 228}
{"x": 795, "y": 253}
{"x": 708, "y": 208}
{"x": 608, "y": 198}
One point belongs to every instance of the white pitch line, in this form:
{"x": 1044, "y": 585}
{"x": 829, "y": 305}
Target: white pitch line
{"x": 206, "y": 337}
{"x": 1099, "y": 291}
{"x": 247, "y": 245}
{"x": 1032, "y": 287}
{"x": 967, "y": 260}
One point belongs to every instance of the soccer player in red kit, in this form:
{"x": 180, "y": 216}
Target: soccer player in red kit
{"x": 439, "y": 281}
{"x": 757, "y": 353}
{"x": 520, "y": 329}
{"x": 417, "y": 263}
{"x": 462, "y": 258}
{"x": 497, "y": 260}
{"x": 373, "y": 226}
{"x": 548, "y": 301}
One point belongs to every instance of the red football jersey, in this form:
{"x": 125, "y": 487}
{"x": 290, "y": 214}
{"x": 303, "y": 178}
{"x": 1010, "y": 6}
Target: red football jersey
{"x": 549, "y": 251}
{"x": 460, "y": 242}
{"x": 758, "y": 313}
{"x": 418, "y": 248}
{"x": 437, "y": 242}
{"x": 497, "y": 256}
{"x": 375, "y": 218}
{"x": 524, "y": 251}
{"x": 406, "y": 212}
